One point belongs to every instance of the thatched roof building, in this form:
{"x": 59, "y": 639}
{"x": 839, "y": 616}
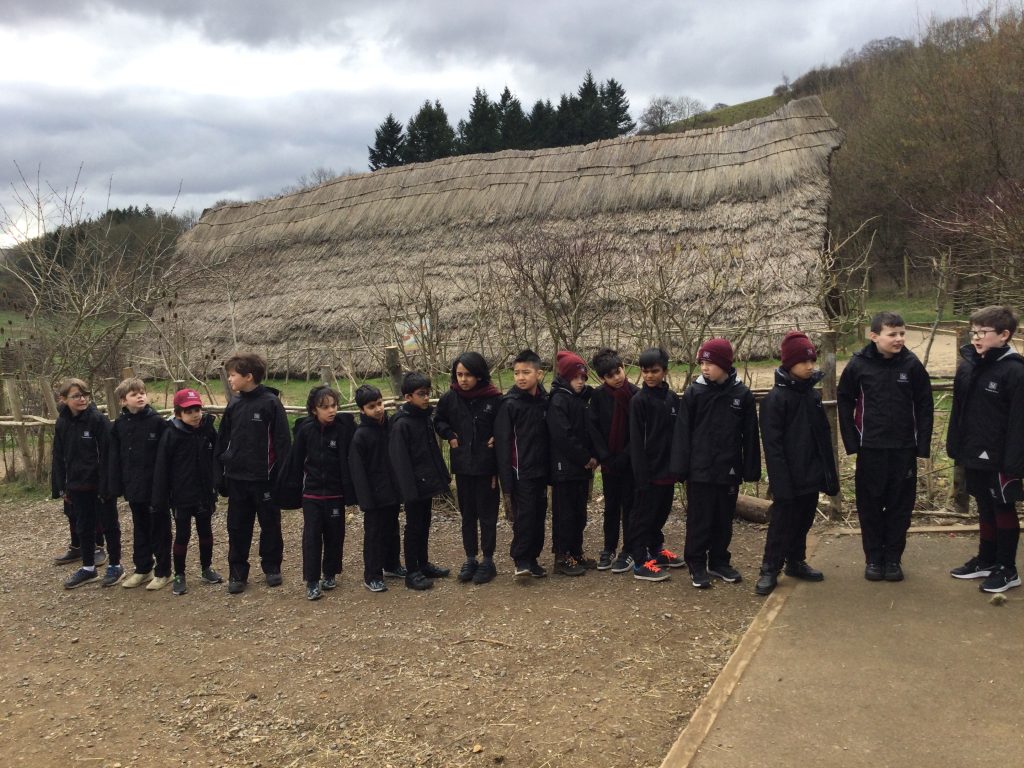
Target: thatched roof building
{"x": 305, "y": 269}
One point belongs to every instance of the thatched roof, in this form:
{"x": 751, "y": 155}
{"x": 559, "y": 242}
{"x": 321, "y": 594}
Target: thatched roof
{"x": 759, "y": 182}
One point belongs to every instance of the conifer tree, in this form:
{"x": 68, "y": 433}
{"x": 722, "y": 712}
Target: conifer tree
{"x": 616, "y": 108}
{"x": 388, "y": 144}
{"x": 513, "y": 125}
{"x": 480, "y": 133}
{"x": 429, "y": 135}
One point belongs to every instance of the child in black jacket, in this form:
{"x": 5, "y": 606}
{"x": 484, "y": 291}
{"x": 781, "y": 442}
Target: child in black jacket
{"x": 183, "y": 484}
{"x": 716, "y": 446}
{"x": 318, "y": 474}
{"x": 521, "y": 444}
{"x": 798, "y": 454}
{"x": 465, "y": 418}
{"x": 133, "y": 442}
{"x": 420, "y": 473}
{"x": 885, "y": 417}
{"x": 376, "y": 491}
{"x": 572, "y": 462}
{"x": 986, "y": 437}
{"x": 609, "y": 434}
{"x": 253, "y": 440}
{"x": 78, "y": 475}
{"x": 652, "y": 417}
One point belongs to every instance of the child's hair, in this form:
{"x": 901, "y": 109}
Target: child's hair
{"x": 892, "y": 319}
{"x": 318, "y": 396}
{"x": 247, "y": 363}
{"x": 474, "y": 363}
{"x": 68, "y": 384}
{"x": 655, "y": 356}
{"x": 129, "y": 386}
{"x": 413, "y": 381}
{"x": 529, "y": 357}
{"x": 1000, "y": 318}
{"x": 605, "y": 362}
{"x": 367, "y": 394}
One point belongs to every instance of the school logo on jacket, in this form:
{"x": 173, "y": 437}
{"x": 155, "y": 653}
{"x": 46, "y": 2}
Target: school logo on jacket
{"x": 152, "y": 435}
{"x": 903, "y": 378}
{"x": 85, "y": 433}
{"x": 993, "y": 386}
{"x": 332, "y": 444}
{"x": 736, "y": 403}
{"x": 256, "y": 417}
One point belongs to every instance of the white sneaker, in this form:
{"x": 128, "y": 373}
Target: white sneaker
{"x": 158, "y": 582}
{"x": 136, "y": 580}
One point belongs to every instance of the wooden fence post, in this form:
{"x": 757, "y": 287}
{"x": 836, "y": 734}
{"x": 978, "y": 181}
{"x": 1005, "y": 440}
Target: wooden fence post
{"x": 394, "y": 367}
{"x": 327, "y": 376}
{"x": 828, "y": 392}
{"x": 109, "y": 385}
{"x": 128, "y": 373}
{"x": 228, "y": 394}
{"x": 20, "y": 433}
{"x": 49, "y": 401}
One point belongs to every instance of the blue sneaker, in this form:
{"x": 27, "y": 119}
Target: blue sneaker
{"x": 113, "y": 575}
{"x": 80, "y": 577}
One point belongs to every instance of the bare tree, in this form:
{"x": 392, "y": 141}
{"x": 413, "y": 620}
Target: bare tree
{"x": 662, "y": 111}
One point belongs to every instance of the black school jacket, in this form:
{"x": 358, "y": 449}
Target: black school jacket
{"x": 521, "y": 437}
{"x": 317, "y": 464}
{"x": 986, "y": 423}
{"x": 716, "y": 438}
{"x": 183, "y": 473}
{"x": 571, "y": 447}
{"x": 253, "y": 436}
{"x": 416, "y": 457}
{"x": 133, "y": 443}
{"x": 370, "y": 465}
{"x": 79, "y": 451}
{"x": 653, "y": 412}
{"x": 472, "y": 422}
{"x": 885, "y": 402}
{"x": 600, "y": 412}
{"x": 797, "y": 438}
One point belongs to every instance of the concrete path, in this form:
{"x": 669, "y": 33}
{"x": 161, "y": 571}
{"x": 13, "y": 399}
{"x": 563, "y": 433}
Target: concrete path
{"x": 847, "y": 672}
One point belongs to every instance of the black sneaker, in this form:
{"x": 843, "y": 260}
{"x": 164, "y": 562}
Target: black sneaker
{"x": 766, "y": 582}
{"x": 274, "y": 580}
{"x": 649, "y": 571}
{"x": 522, "y": 571}
{"x": 178, "y": 587}
{"x": 622, "y": 563}
{"x": 972, "y": 569}
{"x": 537, "y": 570}
{"x": 588, "y": 563}
{"x": 468, "y": 570}
{"x": 80, "y": 577}
{"x": 667, "y": 559}
{"x": 99, "y": 556}
{"x": 485, "y": 572}
{"x": 604, "y": 560}
{"x": 417, "y": 581}
{"x": 236, "y": 587}
{"x": 1000, "y": 580}
{"x": 569, "y": 566}
{"x": 328, "y": 583}
{"x": 376, "y": 585}
{"x": 398, "y": 572}
{"x": 210, "y": 576}
{"x": 432, "y": 571}
{"x": 803, "y": 571}
{"x": 893, "y": 572}
{"x": 72, "y": 555}
{"x": 873, "y": 572}
{"x": 699, "y": 578}
{"x": 726, "y": 573}
{"x": 113, "y": 575}
{"x": 313, "y": 590}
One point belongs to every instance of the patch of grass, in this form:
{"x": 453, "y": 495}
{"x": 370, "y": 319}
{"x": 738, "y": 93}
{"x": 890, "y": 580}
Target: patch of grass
{"x": 22, "y": 491}
{"x": 916, "y": 309}
{"x": 737, "y": 113}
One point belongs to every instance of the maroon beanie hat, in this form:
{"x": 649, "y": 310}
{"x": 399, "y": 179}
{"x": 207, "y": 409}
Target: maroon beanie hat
{"x": 797, "y": 348}
{"x": 717, "y": 351}
{"x": 569, "y": 365}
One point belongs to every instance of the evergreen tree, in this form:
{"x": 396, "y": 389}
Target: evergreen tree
{"x": 481, "y": 132}
{"x": 591, "y": 120}
{"x": 616, "y": 108}
{"x": 388, "y": 144}
{"x": 567, "y": 122}
{"x": 541, "y": 126}
{"x": 429, "y": 135}
{"x": 513, "y": 126}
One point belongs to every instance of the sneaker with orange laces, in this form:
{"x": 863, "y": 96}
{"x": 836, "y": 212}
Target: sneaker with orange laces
{"x": 667, "y": 559}
{"x": 649, "y": 571}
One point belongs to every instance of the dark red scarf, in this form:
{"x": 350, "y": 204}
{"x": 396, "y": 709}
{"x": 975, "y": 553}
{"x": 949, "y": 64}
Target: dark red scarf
{"x": 619, "y": 431}
{"x": 480, "y": 390}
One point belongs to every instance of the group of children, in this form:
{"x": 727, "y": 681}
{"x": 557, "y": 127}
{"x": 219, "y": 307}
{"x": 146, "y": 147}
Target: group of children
{"x": 645, "y": 440}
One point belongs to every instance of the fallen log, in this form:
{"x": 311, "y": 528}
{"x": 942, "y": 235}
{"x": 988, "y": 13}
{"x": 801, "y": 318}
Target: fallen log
{"x": 753, "y": 509}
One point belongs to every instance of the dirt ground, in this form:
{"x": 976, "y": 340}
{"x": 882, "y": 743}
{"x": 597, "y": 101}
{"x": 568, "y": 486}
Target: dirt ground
{"x": 601, "y": 670}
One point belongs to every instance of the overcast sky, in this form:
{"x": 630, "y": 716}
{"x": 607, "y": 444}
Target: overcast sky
{"x": 238, "y": 98}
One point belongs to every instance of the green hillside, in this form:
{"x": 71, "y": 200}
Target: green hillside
{"x": 737, "y": 113}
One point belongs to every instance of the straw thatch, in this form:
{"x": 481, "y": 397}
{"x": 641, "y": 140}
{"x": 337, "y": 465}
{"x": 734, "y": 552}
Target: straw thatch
{"x": 309, "y": 259}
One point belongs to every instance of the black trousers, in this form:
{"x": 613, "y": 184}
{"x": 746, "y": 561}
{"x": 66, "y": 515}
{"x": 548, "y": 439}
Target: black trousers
{"x": 381, "y": 548}
{"x": 69, "y": 513}
{"x": 92, "y": 514}
{"x": 151, "y": 539}
{"x": 651, "y": 507}
{"x": 886, "y": 486}
{"x": 787, "y": 531}
{"x": 417, "y": 533}
{"x": 530, "y": 507}
{"x": 710, "y": 509}
{"x": 247, "y": 503}
{"x": 183, "y": 533}
{"x": 996, "y": 496}
{"x": 618, "y": 502}
{"x": 323, "y": 538}
{"x": 478, "y": 507}
{"x": 569, "y": 516}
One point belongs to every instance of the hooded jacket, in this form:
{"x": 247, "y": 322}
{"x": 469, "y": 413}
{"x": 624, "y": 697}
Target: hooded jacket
{"x": 471, "y": 421}
{"x": 419, "y": 467}
{"x": 370, "y": 465}
{"x": 317, "y": 465}
{"x": 253, "y": 437}
{"x": 652, "y": 417}
{"x": 986, "y": 422}
{"x": 885, "y": 402}
{"x": 133, "y": 444}
{"x": 521, "y": 437}
{"x": 80, "y": 445}
{"x": 571, "y": 447}
{"x": 716, "y": 437}
{"x": 797, "y": 438}
{"x": 183, "y": 472}
{"x": 600, "y": 415}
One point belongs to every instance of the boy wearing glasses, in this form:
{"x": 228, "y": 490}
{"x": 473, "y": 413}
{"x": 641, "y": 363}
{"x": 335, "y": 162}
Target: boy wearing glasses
{"x": 885, "y": 417}
{"x": 986, "y": 437}
{"x": 420, "y": 473}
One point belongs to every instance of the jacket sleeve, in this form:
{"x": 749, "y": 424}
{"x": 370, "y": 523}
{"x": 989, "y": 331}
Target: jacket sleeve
{"x": 773, "y": 421}
{"x": 105, "y": 431}
{"x": 161, "y": 498}
{"x": 679, "y": 460}
{"x": 597, "y": 438}
{"x": 280, "y": 434}
{"x": 57, "y": 476}
{"x": 360, "y": 477}
{"x": 503, "y": 436}
{"x": 114, "y": 481}
{"x": 924, "y": 409}
{"x": 401, "y": 463}
{"x": 955, "y": 415}
{"x": 561, "y": 434}
{"x": 751, "y": 440}
{"x": 348, "y": 487}
{"x": 846, "y": 402}
{"x": 223, "y": 441}
{"x": 1013, "y": 452}
{"x": 637, "y": 454}
{"x": 288, "y": 484}
{"x": 443, "y": 421}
